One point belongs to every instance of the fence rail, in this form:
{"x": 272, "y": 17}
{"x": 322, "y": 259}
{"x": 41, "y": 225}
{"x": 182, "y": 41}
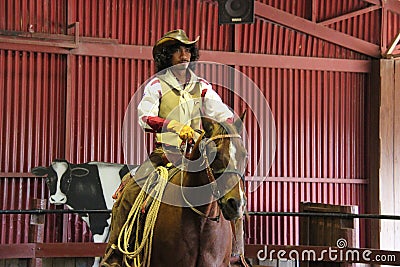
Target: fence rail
{"x": 253, "y": 213}
{"x": 36, "y": 250}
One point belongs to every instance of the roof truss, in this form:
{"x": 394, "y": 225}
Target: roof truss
{"x": 320, "y": 29}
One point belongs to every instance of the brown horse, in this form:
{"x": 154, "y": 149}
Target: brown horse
{"x": 189, "y": 230}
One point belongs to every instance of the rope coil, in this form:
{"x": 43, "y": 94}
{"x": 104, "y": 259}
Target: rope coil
{"x": 141, "y": 253}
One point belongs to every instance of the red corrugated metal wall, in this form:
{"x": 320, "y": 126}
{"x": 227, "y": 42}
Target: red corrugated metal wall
{"x": 32, "y": 107}
{"x": 319, "y": 117}
{"x": 72, "y": 105}
{"x": 319, "y": 154}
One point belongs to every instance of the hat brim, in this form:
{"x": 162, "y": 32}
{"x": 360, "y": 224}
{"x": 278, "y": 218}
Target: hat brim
{"x": 165, "y": 41}
{"x": 170, "y": 39}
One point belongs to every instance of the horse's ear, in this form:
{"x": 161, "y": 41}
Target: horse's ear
{"x": 208, "y": 126}
{"x": 239, "y": 122}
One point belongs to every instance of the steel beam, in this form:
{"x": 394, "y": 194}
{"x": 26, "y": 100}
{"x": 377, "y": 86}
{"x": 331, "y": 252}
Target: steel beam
{"x": 392, "y": 5}
{"x": 349, "y": 15}
{"x": 228, "y": 58}
{"x": 302, "y": 25}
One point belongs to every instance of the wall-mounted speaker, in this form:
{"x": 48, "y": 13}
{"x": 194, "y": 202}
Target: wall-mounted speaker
{"x": 235, "y": 11}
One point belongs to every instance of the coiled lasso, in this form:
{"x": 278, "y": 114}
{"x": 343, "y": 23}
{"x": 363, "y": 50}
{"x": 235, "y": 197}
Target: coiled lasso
{"x": 141, "y": 254}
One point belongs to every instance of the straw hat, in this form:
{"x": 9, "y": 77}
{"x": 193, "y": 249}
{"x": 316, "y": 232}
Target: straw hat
{"x": 175, "y": 36}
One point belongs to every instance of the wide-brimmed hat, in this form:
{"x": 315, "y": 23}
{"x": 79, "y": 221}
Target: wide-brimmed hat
{"x": 171, "y": 37}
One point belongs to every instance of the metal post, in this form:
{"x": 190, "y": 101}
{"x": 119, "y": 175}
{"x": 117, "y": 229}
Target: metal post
{"x": 36, "y": 228}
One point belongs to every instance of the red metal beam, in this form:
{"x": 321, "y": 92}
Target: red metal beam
{"x": 228, "y": 58}
{"x": 71, "y": 42}
{"x": 392, "y": 5}
{"x": 57, "y": 250}
{"x": 119, "y": 51}
{"x": 349, "y": 15}
{"x": 17, "y": 251}
{"x": 16, "y": 174}
{"x": 33, "y": 48}
{"x": 232, "y": 58}
{"x": 375, "y": 2}
{"x": 306, "y": 180}
{"x": 287, "y": 62}
{"x": 51, "y": 250}
{"x": 302, "y": 25}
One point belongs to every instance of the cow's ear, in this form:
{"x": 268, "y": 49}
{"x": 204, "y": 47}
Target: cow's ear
{"x": 79, "y": 171}
{"x": 40, "y": 171}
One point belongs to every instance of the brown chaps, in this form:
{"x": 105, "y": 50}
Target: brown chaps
{"x": 123, "y": 205}
{"x": 120, "y": 211}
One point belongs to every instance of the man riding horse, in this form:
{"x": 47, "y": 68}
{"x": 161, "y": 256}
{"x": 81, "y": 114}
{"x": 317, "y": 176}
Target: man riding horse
{"x": 172, "y": 105}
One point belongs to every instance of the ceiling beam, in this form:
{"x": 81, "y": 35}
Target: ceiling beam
{"x": 375, "y": 2}
{"x": 302, "y": 25}
{"x": 349, "y": 15}
{"x": 392, "y": 5}
{"x": 222, "y": 57}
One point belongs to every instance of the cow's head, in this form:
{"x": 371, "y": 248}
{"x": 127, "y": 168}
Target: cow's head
{"x": 59, "y": 178}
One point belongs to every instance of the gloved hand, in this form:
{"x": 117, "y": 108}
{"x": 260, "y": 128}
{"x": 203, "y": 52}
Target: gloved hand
{"x": 185, "y": 131}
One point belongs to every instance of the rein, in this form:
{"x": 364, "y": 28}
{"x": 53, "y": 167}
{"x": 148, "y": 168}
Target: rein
{"x": 210, "y": 174}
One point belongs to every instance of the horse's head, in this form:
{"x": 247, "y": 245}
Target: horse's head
{"x": 225, "y": 157}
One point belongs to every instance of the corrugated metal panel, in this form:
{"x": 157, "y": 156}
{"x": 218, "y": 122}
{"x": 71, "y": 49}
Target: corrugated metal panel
{"x": 100, "y": 93}
{"x": 144, "y": 22}
{"x": 319, "y": 117}
{"x": 32, "y": 103}
{"x": 32, "y": 106}
{"x": 18, "y": 193}
{"x": 269, "y": 38}
{"x": 284, "y": 230}
{"x": 107, "y": 85}
{"x": 44, "y": 16}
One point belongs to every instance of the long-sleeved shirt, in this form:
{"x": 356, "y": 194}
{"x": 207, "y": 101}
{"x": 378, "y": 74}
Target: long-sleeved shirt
{"x": 149, "y": 107}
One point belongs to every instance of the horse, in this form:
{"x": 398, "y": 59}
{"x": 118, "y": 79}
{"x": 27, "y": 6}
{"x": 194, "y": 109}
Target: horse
{"x": 193, "y": 233}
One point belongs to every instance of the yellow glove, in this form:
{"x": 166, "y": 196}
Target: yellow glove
{"x": 185, "y": 131}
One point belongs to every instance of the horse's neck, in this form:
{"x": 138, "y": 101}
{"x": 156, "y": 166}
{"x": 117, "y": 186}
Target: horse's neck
{"x": 194, "y": 179}
{"x": 200, "y": 179}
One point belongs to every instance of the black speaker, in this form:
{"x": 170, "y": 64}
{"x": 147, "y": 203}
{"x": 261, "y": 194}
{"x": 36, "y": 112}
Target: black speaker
{"x": 235, "y": 11}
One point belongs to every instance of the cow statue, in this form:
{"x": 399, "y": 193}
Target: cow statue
{"x": 85, "y": 186}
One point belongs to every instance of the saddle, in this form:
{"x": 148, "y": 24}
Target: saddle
{"x": 161, "y": 160}
{"x": 172, "y": 170}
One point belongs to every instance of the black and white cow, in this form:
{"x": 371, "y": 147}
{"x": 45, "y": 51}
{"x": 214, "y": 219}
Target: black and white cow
{"x": 85, "y": 186}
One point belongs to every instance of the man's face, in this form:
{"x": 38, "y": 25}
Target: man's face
{"x": 181, "y": 56}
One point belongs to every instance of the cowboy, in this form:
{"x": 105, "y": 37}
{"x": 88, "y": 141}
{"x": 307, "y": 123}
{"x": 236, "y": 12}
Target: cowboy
{"x": 170, "y": 107}
{"x": 173, "y": 99}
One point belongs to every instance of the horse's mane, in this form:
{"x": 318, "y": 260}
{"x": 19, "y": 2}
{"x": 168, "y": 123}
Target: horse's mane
{"x": 213, "y": 128}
